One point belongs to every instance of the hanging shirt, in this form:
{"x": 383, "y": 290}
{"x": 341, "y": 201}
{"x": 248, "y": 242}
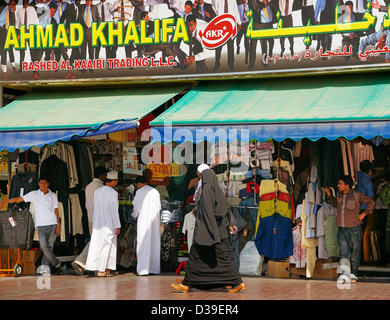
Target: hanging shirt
{"x": 274, "y": 237}
{"x": 146, "y": 208}
{"x": 188, "y": 226}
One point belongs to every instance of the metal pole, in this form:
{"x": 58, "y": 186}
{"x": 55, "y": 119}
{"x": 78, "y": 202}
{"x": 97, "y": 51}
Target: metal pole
{"x": 1, "y": 97}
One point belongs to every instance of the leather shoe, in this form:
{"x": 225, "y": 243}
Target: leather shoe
{"x": 238, "y": 288}
{"x": 180, "y": 287}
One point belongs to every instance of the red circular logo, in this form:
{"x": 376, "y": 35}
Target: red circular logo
{"x": 219, "y": 31}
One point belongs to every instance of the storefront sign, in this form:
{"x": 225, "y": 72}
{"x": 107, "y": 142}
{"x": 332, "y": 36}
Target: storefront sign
{"x": 163, "y": 170}
{"x": 131, "y": 135}
{"x": 179, "y": 39}
{"x": 131, "y": 164}
{"x": 4, "y": 165}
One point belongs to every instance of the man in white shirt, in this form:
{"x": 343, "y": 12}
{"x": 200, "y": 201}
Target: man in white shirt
{"x": 106, "y": 227}
{"x": 46, "y": 220}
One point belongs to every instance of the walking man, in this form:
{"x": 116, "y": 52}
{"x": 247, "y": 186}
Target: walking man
{"x": 106, "y": 227}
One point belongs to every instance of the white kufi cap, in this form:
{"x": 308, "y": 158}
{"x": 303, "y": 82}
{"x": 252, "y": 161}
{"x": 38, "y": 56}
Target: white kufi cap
{"x": 112, "y": 175}
{"x": 203, "y": 167}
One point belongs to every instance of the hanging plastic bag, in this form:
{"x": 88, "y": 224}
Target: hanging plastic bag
{"x": 251, "y": 262}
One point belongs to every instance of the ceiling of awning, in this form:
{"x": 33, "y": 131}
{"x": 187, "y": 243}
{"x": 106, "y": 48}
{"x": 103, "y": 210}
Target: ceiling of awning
{"x": 46, "y": 116}
{"x": 307, "y": 107}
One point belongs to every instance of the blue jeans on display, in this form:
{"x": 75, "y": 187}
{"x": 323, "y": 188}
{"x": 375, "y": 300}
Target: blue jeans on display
{"x": 47, "y": 236}
{"x": 350, "y": 243}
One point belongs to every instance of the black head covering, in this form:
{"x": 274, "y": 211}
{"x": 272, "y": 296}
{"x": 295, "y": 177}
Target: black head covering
{"x": 211, "y": 213}
{"x": 221, "y": 204}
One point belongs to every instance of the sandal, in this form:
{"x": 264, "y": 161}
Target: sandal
{"x": 79, "y": 271}
{"x": 105, "y": 275}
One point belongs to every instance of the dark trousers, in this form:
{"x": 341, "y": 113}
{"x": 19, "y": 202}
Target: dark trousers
{"x": 3, "y": 52}
{"x": 87, "y": 44}
{"x": 128, "y": 48}
{"x": 350, "y": 243}
{"x": 201, "y": 67}
{"x": 287, "y": 22}
{"x": 354, "y": 42}
{"x": 253, "y": 46}
{"x": 241, "y": 33}
{"x": 110, "y": 50}
{"x": 307, "y": 13}
{"x": 218, "y": 51}
{"x": 267, "y": 43}
{"x": 58, "y": 52}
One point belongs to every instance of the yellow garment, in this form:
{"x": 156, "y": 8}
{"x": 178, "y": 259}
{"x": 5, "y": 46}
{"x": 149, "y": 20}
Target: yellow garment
{"x": 283, "y": 164}
{"x": 269, "y": 186}
{"x": 310, "y": 246}
{"x": 267, "y": 208}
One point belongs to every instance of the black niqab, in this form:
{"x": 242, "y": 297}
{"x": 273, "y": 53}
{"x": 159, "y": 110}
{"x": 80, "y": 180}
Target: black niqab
{"x": 211, "y": 213}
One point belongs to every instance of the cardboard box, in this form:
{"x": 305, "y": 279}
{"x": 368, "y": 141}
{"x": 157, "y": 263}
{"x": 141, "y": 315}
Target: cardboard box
{"x": 27, "y": 260}
{"x": 278, "y": 269}
{"x": 25, "y": 255}
{"x": 324, "y": 269}
{"x": 4, "y": 207}
{"x": 31, "y": 255}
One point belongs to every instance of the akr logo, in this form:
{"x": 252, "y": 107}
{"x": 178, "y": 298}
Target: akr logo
{"x": 219, "y": 31}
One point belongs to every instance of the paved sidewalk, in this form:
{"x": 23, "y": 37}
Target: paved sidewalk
{"x": 128, "y": 286}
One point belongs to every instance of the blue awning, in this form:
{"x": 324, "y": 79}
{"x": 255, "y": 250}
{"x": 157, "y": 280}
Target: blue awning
{"x": 296, "y": 108}
{"x": 45, "y": 116}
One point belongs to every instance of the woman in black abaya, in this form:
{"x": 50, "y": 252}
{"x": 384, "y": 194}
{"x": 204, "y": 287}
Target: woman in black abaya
{"x": 210, "y": 263}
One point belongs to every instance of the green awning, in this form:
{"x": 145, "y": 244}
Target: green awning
{"x": 296, "y": 108}
{"x": 46, "y": 116}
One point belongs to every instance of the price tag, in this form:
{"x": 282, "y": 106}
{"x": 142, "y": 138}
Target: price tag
{"x": 12, "y": 221}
